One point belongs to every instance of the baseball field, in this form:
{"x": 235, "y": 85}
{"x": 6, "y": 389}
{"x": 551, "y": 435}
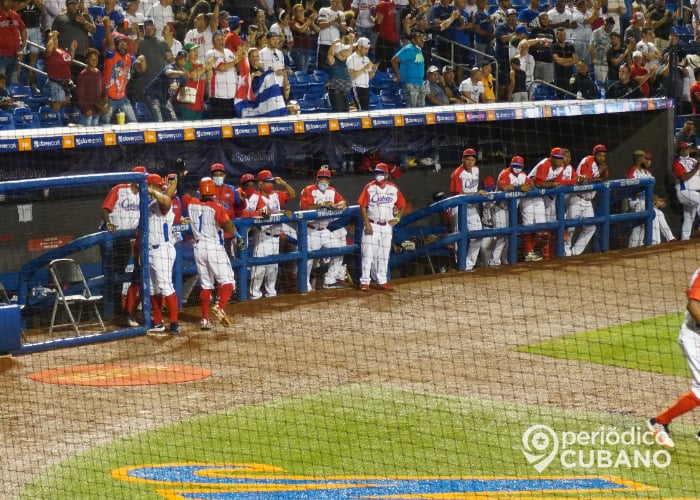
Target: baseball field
{"x": 531, "y": 381}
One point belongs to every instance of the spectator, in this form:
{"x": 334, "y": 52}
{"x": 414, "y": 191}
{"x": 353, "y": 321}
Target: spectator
{"x": 271, "y": 57}
{"x": 686, "y": 133}
{"x": 7, "y": 102}
{"x": 173, "y": 43}
{"x": 561, "y": 17}
{"x": 98, "y": 13}
{"x": 30, "y": 13}
{"x": 617, "y": 10}
{"x": 261, "y": 21}
{"x": 350, "y": 19}
{"x": 487, "y": 81}
{"x": 661, "y": 21}
{"x": 472, "y": 88}
{"x": 50, "y": 11}
{"x": 160, "y": 91}
{"x": 303, "y": 30}
{"x": 157, "y": 54}
{"x": 634, "y": 30}
{"x": 203, "y": 32}
{"x": 222, "y": 87}
{"x": 443, "y": 20}
{"x": 434, "y": 93}
{"x": 134, "y": 17}
{"x": 224, "y": 17}
{"x": 504, "y": 33}
{"x": 483, "y": 32}
{"x": 624, "y": 88}
{"x": 91, "y": 94}
{"x": 361, "y": 70}
{"x": 640, "y": 74}
{"x": 423, "y": 25}
{"x": 387, "y": 34}
{"x": 617, "y": 55}
{"x": 542, "y": 52}
{"x": 565, "y": 58}
{"x": 685, "y": 170}
{"x": 57, "y": 64}
{"x": 233, "y": 40}
{"x": 181, "y": 12}
{"x": 647, "y": 47}
{"x": 500, "y": 14}
{"x": 162, "y": 13}
{"x": 409, "y": 68}
{"x": 331, "y": 21}
{"x": 517, "y": 91}
{"x": 197, "y": 76}
{"x": 118, "y": 65}
{"x": 340, "y": 82}
{"x": 255, "y": 38}
{"x": 581, "y": 32}
{"x": 527, "y": 62}
{"x": 528, "y": 16}
{"x": 600, "y": 44}
{"x": 74, "y": 24}
{"x": 364, "y": 14}
{"x": 268, "y": 7}
{"x": 449, "y": 85}
{"x": 284, "y": 31}
{"x": 464, "y": 34}
{"x": 581, "y": 82}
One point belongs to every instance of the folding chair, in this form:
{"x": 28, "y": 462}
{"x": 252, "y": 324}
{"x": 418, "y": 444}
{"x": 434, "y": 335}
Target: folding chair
{"x": 66, "y": 276}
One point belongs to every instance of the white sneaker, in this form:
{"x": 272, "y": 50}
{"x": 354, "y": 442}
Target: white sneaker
{"x": 130, "y": 321}
{"x": 533, "y": 257}
{"x": 204, "y": 324}
{"x": 160, "y": 328}
{"x": 661, "y": 433}
{"x": 221, "y": 315}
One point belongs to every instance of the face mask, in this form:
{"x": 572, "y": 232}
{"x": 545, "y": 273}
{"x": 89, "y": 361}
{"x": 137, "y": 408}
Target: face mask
{"x": 218, "y": 181}
{"x": 249, "y": 192}
{"x": 516, "y": 170}
{"x": 379, "y": 178}
{"x": 322, "y": 186}
{"x": 267, "y": 188}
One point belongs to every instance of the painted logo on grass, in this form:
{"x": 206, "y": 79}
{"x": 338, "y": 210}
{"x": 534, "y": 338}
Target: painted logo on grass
{"x": 603, "y": 448}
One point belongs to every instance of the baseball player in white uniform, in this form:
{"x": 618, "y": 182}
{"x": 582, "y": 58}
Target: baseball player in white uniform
{"x": 592, "y": 168}
{"x": 161, "y": 255}
{"x": 511, "y": 178}
{"x": 689, "y": 339}
{"x": 685, "y": 169}
{"x": 465, "y": 180}
{"x": 267, "y": 240}
{"x": 210, "y": 221}
{"x": 320, "y": 195}
{"x": 381, "y": 204}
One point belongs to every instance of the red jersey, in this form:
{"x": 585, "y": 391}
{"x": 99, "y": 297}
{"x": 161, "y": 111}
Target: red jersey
{"x": 695, "y": 95}
{"x": 636, "y": 71}
{"x": 116, "y": 74}
{"x": 387, "y": 28}
{"x": 11, "y": 25}
{"x": 57, "y": 64}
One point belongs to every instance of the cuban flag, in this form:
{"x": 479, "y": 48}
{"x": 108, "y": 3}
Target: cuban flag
{"x": 267, "y": 101}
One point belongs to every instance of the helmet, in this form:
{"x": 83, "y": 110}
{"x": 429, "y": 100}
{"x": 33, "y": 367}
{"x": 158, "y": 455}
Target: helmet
{"x": 381, "y": 167}
{"x": 469, "y": 152}
{"x": 247, "y": 178}
{"x": 265, "y": 175}
{"x": 207, "y": 186}
{"x": 154, "y": 179}
{"x": 517, "y": 161}
{"x": 217, "y": 167}
{"x": 140, "y": 169}
{"x": 323, "y": 172}
{"x": 557, "y": 153}
{"x": 488, "y": 183}
{"x": 600, "y": 148}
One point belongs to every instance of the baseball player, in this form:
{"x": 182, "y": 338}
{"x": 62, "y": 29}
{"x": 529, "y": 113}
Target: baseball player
{"x": 120, "y": 211}
{"x": 489, "y": 213}
{"x": 228, "y": 197}
{"x": 253, "y": 205}
{"x": 689, "y": 339}
{"x": 640, "y": 170}
{"x": 592, "y": 168}
{"x": 511, "y": 178}
{"x": 381, "y": 204}
{"x": 465, "y": 180}
{"x": 534, "y": 210}
{"x": 267, "y": 240}
{"x": 210, "y": 223}
{"x": 320, "y": 195}
{"x": 161, "y": 253}
{"x": 685, "y": 169}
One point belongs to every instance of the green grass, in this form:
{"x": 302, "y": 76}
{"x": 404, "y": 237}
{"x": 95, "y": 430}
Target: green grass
{"x": 650, "y": 345}
{"x": 358, "y": 430}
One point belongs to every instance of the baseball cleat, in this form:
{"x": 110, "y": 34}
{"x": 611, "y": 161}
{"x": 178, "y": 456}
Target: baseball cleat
{"x": 204, "y": 324}
{"x": 175, "y": 328}
{"x": 385, "y": 287}
{"x": 130, "y": 321}
{"x": 335, "y": 285}
{"x": 364, "y": 288}
{"x": 221, "y": 315}
{"x": 661, "y": 433}
{"x": 159, "y": 328}
{"x": 533, "y": 257}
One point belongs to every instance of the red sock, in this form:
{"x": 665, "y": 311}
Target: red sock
{"x": 546, "y": 252}
{"x": 205, "y": 300}
{"x": 684, "y": 404}
{"x": 171, "y": 300}
{"x": 157, "y": 311}
{"x": 132, "y": 298}
{"x": 226, "y": 291}
{"x": 529, "y": 242}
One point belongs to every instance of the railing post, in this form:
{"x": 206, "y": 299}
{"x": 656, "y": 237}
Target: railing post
{"x": 560, "y": 209}
{"x": 303, "y": 264}
{"x": 464, "y": 236}
{"x": 513, "y": 226}
{"x": 649, "y": 207}
{"x": 604, "y": 228}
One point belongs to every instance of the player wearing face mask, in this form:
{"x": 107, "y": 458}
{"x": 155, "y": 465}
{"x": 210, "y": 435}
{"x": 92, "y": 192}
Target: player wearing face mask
{"x": 230, "y": 198}
{"x": 323, "y": 195}
{"x": 511, "y": 178}
{"x": 267, "y": 240}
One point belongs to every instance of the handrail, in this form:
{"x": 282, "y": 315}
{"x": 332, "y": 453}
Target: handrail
{"x": 548, "y": 84}
{"x": 470, "y": 49}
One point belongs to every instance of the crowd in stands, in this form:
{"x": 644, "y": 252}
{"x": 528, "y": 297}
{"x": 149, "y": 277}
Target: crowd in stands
{"x": 160, "y": 60}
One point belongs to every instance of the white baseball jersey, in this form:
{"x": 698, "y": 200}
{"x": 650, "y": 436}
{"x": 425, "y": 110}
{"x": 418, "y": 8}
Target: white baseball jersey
{"x": 682, "y": 165}
{"x": 123, "y": 207}
{"x": 327, "y": 35}
{"x": 380, "y": 200}
{"x": 223, "y": 83}
{"x": 312, "y": 195}
{"x": 160, "y": 225}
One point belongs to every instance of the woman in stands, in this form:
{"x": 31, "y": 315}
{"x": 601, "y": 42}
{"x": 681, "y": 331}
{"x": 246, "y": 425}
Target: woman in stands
{"x": 302, "y": 33}
{"x": 197, "y": 75}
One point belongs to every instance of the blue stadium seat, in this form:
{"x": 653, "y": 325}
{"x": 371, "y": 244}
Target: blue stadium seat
{"x": 316, "y": 88}
{"x": 6, "y": 121}
{"x": 311, "y": 104}
{"x": 48, "y": 117}
{"x": 71, "y": 115}
{"x": 298, "y": 89}
{"x": 375, "y": 102}
{"x": 25, "y": 119}
{"x": 302, "y": 77}
{"x": 390, "y": 100}
{"x": 320, "y": 76}
{"x": 142, "y": 113}
{"x": 542, "y": 93}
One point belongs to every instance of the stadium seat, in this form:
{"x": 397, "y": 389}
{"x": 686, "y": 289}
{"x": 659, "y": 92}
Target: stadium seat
{"x": 375, "y": 102}
{"x": 71, "y": 115}
{"x": 310, "y": 104}
{"x": 25, "y": 119}
{"x": 302, "y": 77}
{"x": 297, "y": 89}
{"x": 143, "y": 115}
{"x": 6, "y": 121}
{"x": 48, "y": 117}
{"x": 542, "y": 93}
{"x": 316, "y": 88}
{"x": 390, "y": 100}
{"x": 320, "y": 76}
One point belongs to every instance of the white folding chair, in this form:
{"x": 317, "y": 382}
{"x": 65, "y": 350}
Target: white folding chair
{"x": 67, "y": 276}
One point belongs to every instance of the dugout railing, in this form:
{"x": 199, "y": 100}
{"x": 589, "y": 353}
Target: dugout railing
{"x": 608, "y": 215}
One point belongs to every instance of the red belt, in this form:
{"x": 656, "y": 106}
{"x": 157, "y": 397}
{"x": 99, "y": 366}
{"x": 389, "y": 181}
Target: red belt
{"x": 378, "y": 223}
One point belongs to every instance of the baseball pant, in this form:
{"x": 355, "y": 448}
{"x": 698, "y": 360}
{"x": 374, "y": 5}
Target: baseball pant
{"x": 532, "y": 211}
{"x": 161, "y": 259}
{"x": 690, "y": 343}
{"x": 376, "y": 248}
{"x": 264, "y": 244}
{"x": 341, "y": 235}
{"x": 579, "y": 209}
{"x": 500, "y": 219}
{"x": 690, "y": 201}
{"x": 660, "y": 227}
{"x": 473, "y": 224}
{"x": 637, "y": 234}
{"x": 213, "y": 265}
{"x": 323, "y": 238}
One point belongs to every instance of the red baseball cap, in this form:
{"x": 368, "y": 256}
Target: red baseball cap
{"x": 600, "y": 148}
{"x": 469, "y": 152}
{"x": 381, "y": 167}
{"x": 517, "y": 161}
{"x": 217, "y": 167}
{"x": 557, "y": 153}
{"x": 682, "y": 145}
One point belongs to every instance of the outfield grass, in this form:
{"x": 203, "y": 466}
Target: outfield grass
{"x": 649, "y": 345}
{"x": 358, "y": 430}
